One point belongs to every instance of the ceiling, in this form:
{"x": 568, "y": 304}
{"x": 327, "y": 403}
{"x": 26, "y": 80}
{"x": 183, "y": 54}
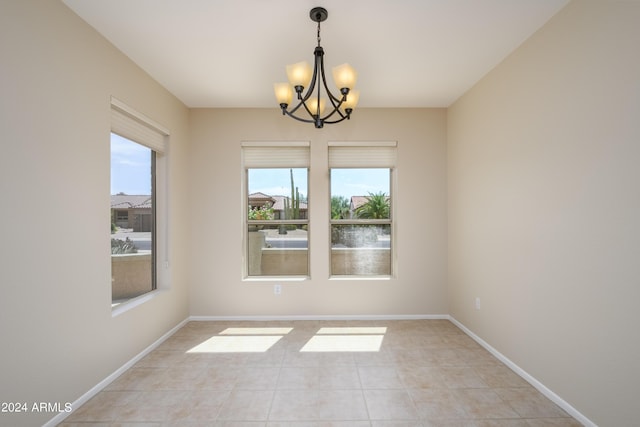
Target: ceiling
{"x": 228, "y": 53}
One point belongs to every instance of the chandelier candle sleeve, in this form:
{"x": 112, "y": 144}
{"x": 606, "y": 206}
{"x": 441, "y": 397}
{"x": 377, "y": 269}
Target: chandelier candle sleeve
{"x": 309, "y": 84}
{"x": 344, "y": 76}
{"x": 313, "y": 105}
{"x": 284, "y": 93}
{"x": 299, "y": 74}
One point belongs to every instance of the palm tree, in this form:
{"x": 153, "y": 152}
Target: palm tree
{"x": 377, "y": 207}
{"x": 339, "y": 207}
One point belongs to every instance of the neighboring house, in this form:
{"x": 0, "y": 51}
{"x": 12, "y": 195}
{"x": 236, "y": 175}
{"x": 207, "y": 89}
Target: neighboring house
{"x": 132, "y": 211}
{"x": 356, "y": 202}
{"x": 258, "y": 200}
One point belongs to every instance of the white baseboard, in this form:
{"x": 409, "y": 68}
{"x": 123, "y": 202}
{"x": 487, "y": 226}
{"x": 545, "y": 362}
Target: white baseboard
{"x": 105, "y": 382}
{"x": 527, "y": 377}
{"x": 321, "y": 317}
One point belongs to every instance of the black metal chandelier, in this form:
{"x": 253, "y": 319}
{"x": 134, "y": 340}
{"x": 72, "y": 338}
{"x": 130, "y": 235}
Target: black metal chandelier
{"x": 301, "y": 77}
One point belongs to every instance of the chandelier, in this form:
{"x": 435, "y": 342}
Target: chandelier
{"x": 302, "y": 77}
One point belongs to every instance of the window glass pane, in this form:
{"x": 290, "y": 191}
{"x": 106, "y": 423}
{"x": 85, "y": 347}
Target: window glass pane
{"x": 361, "y": 221}
{"x": 361, "y": 249}
{"x": 132, "y": 219}
{"x": 274, "y": 253}
{"x": 360, "y": 193}
{"x": 281, "y": 246}
{"x": 361, "y": 236}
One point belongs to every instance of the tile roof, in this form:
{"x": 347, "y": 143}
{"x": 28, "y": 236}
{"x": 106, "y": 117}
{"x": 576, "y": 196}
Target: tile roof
{"x": 357, "y": 201}
{"x": 128, "y": 201}
{"x": 278, "y": 201}
{"x": 259, "y": 195}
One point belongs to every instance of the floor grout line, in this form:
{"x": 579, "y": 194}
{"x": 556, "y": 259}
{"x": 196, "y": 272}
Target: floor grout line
{"x": 408, "y": 369}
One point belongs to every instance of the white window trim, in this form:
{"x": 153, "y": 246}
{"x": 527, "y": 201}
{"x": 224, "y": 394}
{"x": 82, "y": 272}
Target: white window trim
{"x": 293, "y": 158}
{"x": 138, "y": 127}
{"x": 380, "y": 154}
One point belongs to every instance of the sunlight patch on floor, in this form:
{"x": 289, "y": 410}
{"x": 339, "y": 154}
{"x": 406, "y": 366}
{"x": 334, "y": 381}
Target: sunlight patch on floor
{"x": 359, "y": 330}
{"x": 346, "y": 338}
{"x": 236, "y": 344}
{"x": 336, "y": 343}
{"x": 242, "y": 340}
{"x": 256, "y": 331}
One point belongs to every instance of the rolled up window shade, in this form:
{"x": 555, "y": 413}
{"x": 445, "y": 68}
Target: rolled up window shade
{"x": 275, "y": 155}
{"x": 135, "y": 126}
{"x": 362, "y": 155}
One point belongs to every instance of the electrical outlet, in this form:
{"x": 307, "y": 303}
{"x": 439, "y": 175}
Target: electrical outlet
{"x": 277, "y": 289}
{"x": 477, "y": 303}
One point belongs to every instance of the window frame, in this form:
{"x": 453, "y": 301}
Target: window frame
{"x": 138, "y": 128}
{"x": 365, "y": 155}
{"x": 273, "y": 155}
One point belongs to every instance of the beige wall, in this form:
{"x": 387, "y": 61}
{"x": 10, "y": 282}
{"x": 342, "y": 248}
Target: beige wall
{"x": 58, "y": 336}
{"x": 544, "y": 203}
{"x": 538, "y": 163}
{"x": 215, "y": 247}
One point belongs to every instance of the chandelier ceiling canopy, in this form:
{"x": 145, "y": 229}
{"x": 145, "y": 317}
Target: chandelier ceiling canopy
{"x": 309, "y": 83}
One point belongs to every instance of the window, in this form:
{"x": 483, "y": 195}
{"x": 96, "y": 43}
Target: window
{"x": 361, "y": 208}
{"x": 276, "y": 210}
{"x": 137, "y": 147}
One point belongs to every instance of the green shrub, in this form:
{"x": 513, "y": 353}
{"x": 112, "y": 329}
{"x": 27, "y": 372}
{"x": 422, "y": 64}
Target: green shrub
{"x": 263, "y": 213}
{"x": 119, "y": 246}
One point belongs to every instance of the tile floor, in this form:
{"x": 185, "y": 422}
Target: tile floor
{"x": 319, "y": 373}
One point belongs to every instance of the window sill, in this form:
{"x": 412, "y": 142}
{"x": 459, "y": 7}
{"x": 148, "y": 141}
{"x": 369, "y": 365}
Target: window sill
{"x": 119, "y": 308}
{"x": 275, "y": 279}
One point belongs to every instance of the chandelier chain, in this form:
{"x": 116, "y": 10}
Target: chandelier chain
{"x": 318, "y": 33}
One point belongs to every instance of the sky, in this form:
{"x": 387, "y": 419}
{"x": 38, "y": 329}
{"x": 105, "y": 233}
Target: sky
{"x": 344, "y": 182}
{"x": 130, "y": 167}
{"x": 359, "y": 182}
{"x": 131, "y": 174}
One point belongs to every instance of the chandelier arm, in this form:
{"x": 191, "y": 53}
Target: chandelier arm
{"x": 318, "y": 52}
{"x": 318, "y": 60}
{"x": 323, "y": 77}
{"x": 290, "y": 114}
{"x": 306, "y": 107}
{"x": 293, "y": 110}
{"x": 318, "y": 96}
{"x": 334, "y": 111}
{"x": 347, "y": 117}
{"x": 335, "y": 101}
{"x": 304, "y": 104}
